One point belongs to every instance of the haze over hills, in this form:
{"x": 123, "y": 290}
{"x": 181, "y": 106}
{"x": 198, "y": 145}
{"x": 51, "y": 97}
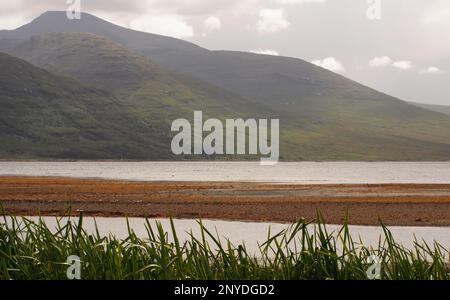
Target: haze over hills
{"x": 323, "y": 116}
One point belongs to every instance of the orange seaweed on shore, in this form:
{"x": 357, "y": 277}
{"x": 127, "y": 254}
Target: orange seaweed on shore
{"x": 395, "y": 204}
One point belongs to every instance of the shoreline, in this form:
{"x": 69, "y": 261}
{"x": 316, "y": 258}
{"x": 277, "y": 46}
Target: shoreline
{"x": 417, "y": 205}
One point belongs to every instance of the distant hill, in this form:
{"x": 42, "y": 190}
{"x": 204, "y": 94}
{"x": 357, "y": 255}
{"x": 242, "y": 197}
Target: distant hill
{"x": 323, "y": 116}
{"x": 437, "y": 108}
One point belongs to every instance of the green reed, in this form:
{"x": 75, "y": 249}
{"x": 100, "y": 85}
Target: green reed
{"x": 304, "y": 251}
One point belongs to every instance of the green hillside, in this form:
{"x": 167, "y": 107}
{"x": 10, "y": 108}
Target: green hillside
{"x": 104, "y": 64}
{"x": 153, "y": 95}
{"x": 90, "y": 59}
{"x": 46, "y": 116}
{"x": 147, "y": 99}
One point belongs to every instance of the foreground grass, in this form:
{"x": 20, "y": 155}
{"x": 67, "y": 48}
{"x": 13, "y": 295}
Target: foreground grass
{"x": 32, "y": 250}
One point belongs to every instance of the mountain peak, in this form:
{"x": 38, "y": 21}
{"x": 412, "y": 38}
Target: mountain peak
{"x": 55, "y": 15}
{"x": 52, "y": 21}
{"x": 57, "y": 21}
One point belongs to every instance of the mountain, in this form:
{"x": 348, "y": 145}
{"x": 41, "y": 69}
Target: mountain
{"x": 323, "y": 116}
{"x": 47, "y": 116}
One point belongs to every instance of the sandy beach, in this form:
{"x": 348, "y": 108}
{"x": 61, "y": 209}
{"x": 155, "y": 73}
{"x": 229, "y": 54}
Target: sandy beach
{"x": 395, "y": 204}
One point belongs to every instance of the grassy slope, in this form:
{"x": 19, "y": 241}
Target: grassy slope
{"x": 47, "y": 116}
{"x": 147, "y": 94}
{"x": 90, "y": 59}
{"x": 323, "y": 116}
{"x": 100, "y": 62}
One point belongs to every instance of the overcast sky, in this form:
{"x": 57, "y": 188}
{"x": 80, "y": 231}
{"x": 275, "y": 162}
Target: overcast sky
{"x": 402, "y": 49}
